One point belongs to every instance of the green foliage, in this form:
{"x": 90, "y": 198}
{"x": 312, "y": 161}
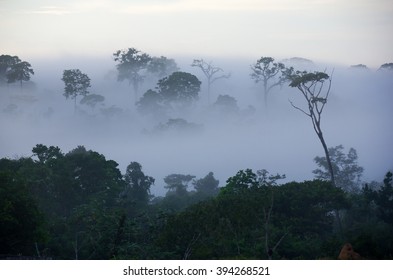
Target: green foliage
{"x": 137, "y": 186}
{"x": 77, "y": 205}
{"x": 20, "y": 218}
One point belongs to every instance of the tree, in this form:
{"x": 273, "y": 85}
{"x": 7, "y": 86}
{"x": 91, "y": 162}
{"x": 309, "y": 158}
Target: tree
{"x": 226, "y": 104}
{"x": 151, "y": 103}
{"x": 311, "y": 86}
{"x": 21, "y": 220}
{"x": 347, "y": 171}
{"x": 178, "y": 183}
{"x": 137, "y": 185}
{"x": 161, "y": 66}
{"x": 179, "y": 90}
{"x": 267, "y": 71}
{"x": 76, "y": 83}
{"x": 384, "y": 199}
{"x": 207, "y": 186}
{"x": 386, "y": 66}
{"x": 131, "y": 64}
{"x": 20, "y": 71}
{"x": 210, "y": 73}
{"x": 92, "y": 100}
{"x": 6, "y": 62}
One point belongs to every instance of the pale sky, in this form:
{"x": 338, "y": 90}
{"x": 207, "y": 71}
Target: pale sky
{"x": 339, "y": 31}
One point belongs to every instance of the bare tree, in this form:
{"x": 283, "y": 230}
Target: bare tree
{"x": 211, "y": 73}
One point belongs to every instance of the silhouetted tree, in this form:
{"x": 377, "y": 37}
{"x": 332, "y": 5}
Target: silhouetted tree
{"x": 311, "y": 86}
{"x": 211, "y": 73}
{"x": 268, "y": 72}
{"x": 92, "y": 100}
{"x": 131, "y": 65}
{"x": 137, "y": 188}
{"x": 386, "y": 66}
{"x": 179, "y": 90}
{"x": 6, "y": 62}
{"x": 76, "y": 83}
{"x": 20, "y": 71}
{"x": 161, "y": 66}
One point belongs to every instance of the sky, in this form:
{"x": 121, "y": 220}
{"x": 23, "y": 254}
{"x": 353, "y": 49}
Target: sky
{"x": 336, "y": 31}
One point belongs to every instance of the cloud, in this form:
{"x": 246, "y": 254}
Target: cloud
{"x": 51, "y": 10}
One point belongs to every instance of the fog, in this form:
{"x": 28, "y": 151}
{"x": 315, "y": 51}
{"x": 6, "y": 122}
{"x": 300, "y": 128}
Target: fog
{"x": 278, "y": 138}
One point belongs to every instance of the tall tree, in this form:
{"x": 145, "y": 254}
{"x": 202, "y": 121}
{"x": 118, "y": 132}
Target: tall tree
{"x": 311, "y": 86}
{"x": 211, "y": 73}
{"x": 267, "y": 71}
{"x": 20, "y": 71}
{"x": 76, "y": 83}
{"x": 131, "y": 64}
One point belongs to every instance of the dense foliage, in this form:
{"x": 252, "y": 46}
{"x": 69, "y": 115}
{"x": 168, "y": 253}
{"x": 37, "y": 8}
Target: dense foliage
{"x": 78, "y": 205}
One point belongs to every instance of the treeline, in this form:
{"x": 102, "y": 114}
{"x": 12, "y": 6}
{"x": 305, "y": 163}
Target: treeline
{"x": 78, "y": 205}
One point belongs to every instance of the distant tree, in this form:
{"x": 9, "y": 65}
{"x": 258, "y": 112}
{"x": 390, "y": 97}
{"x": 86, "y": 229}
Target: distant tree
{"x": 211, "y": 73}
{"x": 6, "y": 62}
{"x": 359, "y": 67}
{"x": 45, "y": 153}
{"x": 178, "y": 125}
{"x": 179, "y": 90}
{"x": 131, "y": 66}
{"x": 178, "y": 183}
{"x": 207, "y": 186}
{"x": 161, "y": 66}
{"x": 76, "y": 83}
{"x": 151, "y": 102}
{"x": 137, "y": 189}
{"x": 226, "y": 104}
{"x": 386, "y": 66}
{"x": 20, "y": 71}
{"x": 345, "y": 167}
{"x": 92, "y": 100}
{"x": 268, "y": 72}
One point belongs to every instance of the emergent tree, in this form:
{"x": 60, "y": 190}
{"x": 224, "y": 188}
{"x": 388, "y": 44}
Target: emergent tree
{"x": 211, "y": 73}
{"x": 268, "y": 72}
{"x": 76, "y": 83}
{"x": 131, "y": 64}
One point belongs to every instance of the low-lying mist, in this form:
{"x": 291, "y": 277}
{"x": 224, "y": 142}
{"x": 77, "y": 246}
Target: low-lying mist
{"x": 204, "y": 137}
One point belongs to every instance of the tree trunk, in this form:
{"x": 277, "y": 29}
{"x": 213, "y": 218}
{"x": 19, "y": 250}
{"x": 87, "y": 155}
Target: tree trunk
{"x": 332, "y": 178}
